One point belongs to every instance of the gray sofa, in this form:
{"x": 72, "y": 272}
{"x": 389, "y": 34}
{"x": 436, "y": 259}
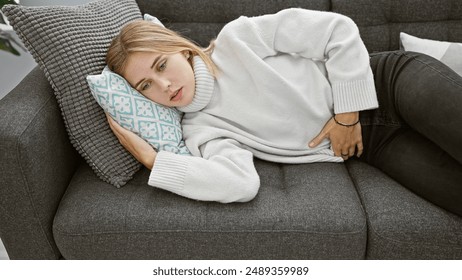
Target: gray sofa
{"x": 54, "y": 206}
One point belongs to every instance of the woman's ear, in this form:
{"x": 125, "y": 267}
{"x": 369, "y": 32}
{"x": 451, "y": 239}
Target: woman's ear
{"x": 187, "y": 54}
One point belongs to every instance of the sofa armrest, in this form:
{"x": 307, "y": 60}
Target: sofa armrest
{"x": 37, "y": 162}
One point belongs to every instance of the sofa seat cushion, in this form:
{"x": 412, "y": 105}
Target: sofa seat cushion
{"x": 402, "y": 225}
{"x": 301, "y": 212}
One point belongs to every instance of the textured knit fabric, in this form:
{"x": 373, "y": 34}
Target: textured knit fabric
{"x": 204, "y": 86}
{"x": 69, "y": 43}
{"x": 282, "y": 77}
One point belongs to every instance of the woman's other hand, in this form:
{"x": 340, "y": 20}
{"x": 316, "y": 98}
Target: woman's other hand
{"x": 139, "y": 148}
{"x": 345, "y": 140}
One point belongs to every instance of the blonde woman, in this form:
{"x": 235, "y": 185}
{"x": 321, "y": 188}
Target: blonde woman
{"x": 288, "y": 87}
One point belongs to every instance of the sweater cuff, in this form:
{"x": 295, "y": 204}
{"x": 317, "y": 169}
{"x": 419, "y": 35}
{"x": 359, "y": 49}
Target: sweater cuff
{"x": 354, "y": 96}
{"x": 169, "y": 172}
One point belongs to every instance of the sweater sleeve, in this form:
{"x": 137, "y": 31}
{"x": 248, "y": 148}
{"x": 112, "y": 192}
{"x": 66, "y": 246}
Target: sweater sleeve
{"x": 225, "y": 173}
{"x": 322, "y": 36}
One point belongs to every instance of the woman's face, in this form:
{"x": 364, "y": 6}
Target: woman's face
{"x": 164, "y": 79}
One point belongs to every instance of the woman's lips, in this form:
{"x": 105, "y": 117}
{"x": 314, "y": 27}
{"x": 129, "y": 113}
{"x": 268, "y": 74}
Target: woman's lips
{"x": 178, "y": 95}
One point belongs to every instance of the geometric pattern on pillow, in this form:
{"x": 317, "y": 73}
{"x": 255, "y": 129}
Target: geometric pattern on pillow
{"x": 159, "y": 125}
{"x": 70, "y": 43}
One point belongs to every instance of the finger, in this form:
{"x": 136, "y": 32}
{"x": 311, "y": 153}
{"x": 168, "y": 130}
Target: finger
{"x": 121, "y": 133}
{"x": 114, "y": 128}
{"x": 345, "y": 151}
{"x": 112, "y": 123}
{"x": 338, "y": 151}
{"x": 351, "y": 151}
{"x": 108, "y": 117}
{"x": 117, "y": 129}
{"x": 317, "y": 139}
{"x": 360, "y": 149}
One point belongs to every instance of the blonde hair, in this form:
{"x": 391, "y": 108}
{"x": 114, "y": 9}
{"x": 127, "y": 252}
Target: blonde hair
{"x": 145, "y": 36}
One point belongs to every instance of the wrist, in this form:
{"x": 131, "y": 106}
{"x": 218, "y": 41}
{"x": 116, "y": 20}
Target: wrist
{"x": 149, "y": 159}
{"x": 347, "y": 119}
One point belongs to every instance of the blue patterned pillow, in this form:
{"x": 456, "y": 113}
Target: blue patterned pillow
{"x": 158, "y": 125}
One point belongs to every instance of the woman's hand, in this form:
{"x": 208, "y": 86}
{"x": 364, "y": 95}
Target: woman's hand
{"x": 345, "y": 140}
{"x": 139, "y": 148}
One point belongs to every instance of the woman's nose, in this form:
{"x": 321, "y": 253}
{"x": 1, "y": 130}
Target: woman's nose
{"x": 164, "y": 84}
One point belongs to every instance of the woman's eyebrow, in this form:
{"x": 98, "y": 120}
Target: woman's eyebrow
{"x": 152, "y": 66}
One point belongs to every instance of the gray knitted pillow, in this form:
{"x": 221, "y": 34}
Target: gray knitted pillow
{"x": 69, "y": 43}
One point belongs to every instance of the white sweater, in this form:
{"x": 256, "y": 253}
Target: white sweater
{"x": 282, "y": 77}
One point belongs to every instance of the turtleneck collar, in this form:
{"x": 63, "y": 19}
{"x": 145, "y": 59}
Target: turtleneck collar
{"x": 204, "y": 87}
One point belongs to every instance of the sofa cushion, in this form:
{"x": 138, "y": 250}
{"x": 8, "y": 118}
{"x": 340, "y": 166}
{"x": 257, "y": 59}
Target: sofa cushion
{"x": 447, "y": 52}
{"x": 69, "y": 43}
{"x": 402, "y": 225}
{"x": 301, "y": 212}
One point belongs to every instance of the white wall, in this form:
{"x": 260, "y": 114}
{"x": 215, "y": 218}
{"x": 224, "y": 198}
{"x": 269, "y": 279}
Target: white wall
{"x": 13, "y": 68}
{"x": 18, "y": 67}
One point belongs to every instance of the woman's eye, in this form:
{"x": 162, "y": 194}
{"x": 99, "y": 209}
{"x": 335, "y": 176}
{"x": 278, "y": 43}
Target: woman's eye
{"x": 145, "y": 86}
{"x": 163, "y": 66}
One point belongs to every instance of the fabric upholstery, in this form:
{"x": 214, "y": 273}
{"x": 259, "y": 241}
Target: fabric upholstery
{"x": 36, "y": 164}
{"x": 380, "y": 22}
{"x": 402, "y": 225}
{"x": 203, "y": 26}
{"x": 70, "y": 42}
{"x": 308, "y": 211}
{"x": 319, "y": 208}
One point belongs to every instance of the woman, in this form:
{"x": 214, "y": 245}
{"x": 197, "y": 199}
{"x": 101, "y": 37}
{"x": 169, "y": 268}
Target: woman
{"x": 287, "y": 88}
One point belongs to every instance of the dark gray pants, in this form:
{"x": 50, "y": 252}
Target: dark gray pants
{"x": 416, "y": 134}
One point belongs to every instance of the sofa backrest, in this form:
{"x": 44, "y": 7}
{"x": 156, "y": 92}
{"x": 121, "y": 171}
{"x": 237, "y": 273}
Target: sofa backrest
{"x": 202, "y": 20}
{"x": 379, "y": 21}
